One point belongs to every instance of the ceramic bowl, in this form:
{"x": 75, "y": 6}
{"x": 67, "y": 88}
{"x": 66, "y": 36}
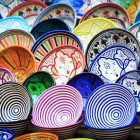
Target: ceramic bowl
{"x": 89, "y": 28}
{"x": 68, "y": 61}
{"x": 113, "y": 62}
{"x": 37, "y": 83}
{"x": 108, "y": 10}
{"x": 62, "y": 132}
{"x": 16, "y": 37}
{"x": 61, "y": 104}
{"x": 131, "y": 80}
{"x": 18, "y": 127}
{"x": 15, "y": 102}
{"x": 6, "y": 134}
{"x": 61, "y": 11}
{"x": 29, "y": 10}
{"x": 14, "y": 22}
{"x": 6, "y": 76}
{"x": 85, "y": 83}
{"x": 53, "y": 39}
{"x": 137, "y": 17}
{"x": 110, "y": 106}
{"x": 110, "y": 37}
{"x": 19, "y": 60}
{"x": 38, "y": 136}
{"x": 47, "y": 26}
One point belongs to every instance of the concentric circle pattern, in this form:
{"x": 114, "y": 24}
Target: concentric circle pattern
{"x": 15, "y": 102}
{"x": 110, "y": 106}
{"x": 58, "y": 106}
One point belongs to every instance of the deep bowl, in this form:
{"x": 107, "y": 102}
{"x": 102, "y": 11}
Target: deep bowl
{"x": 6, "y": 134}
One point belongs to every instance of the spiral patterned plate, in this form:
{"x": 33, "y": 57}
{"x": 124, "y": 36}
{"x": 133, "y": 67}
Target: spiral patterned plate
{"x": 110, "y": 106}
{"x": 62, "y": 104}
{"x": 15, "y": 102}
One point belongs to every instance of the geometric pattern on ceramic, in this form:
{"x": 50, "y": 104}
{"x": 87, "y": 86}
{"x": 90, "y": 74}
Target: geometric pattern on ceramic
{"x": 89, "y": 28}
{"x": 107, "y": 10}
{"x": 16, "y": 37}
{"x": 110, "y": 106}
{"x": 59, "y": 11}
{"x": 111, "y": 37}
{"x": 52, "y": 40}
{"x": 14, "y": 23}
{"x": 113, "y": 62}
{"x": 15, "y": 102}
{"x": 6, "y": 76}
{"x": 29, "y": 10}
{"x": 62, "y": 104}
{"x": 63, "y": 63}
{"x": 47, "y": 26}
{"x": 85, "y": 83}
{"x": 6, "y": 134}
{"x": 137, "y": 17}
{"x": 19, "y": 60}
{"x": 135, "y": 30}
{"x": 131, "y": 80}
{"x": 7, "y": 5}
{"x": 37, "y": 83}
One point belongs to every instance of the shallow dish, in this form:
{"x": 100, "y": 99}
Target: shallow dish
{"x": 19, "y": 60}
{"x": 113, "y": 62}
{"x": 15, "y": 102}
{"x": 61, "y": 11}
{"x": 89, "y": 28}
{"x": 68, "y": 61}
{"x": 6, "y": 134}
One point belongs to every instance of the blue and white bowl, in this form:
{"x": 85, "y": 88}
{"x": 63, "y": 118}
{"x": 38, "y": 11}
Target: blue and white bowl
{"x": 6, "y": 134}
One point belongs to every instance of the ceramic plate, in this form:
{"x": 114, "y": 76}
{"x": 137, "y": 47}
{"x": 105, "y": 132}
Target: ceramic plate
{"x": 59, "y": 11}
{"x": 15, "y": 102}
{"x": 13, "y": 23}
{"x": 85, "y": 83}
{"x": 47, "y": 26}
{"x": 52, "y": 40}
{"x": 80, "y": 6}
{"x": 37, "y": 83}
{"x": 16, "y": 37}
{"x": 131, "y": 80}
{"x": 111, "y": 37}
{"x": 6, "y": 134}
{"x": 29, "y": 10}
{"x": 63, "y": 63}
{"x": 135, "y": 30}
{"x": 113, "y": 62}
{"x": 19, "y": 60}
{"x": 6, "y": 76}
{"x": 108, "y": 10}
{"x": 137, "y": 17}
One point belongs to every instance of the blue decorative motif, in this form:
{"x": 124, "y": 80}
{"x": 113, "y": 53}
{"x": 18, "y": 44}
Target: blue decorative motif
{"x": 6, "y": 134}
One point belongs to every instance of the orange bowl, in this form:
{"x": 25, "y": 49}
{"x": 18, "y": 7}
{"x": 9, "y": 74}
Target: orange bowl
{"x": 19, "y": 60}
{"x": 38, "y": 136}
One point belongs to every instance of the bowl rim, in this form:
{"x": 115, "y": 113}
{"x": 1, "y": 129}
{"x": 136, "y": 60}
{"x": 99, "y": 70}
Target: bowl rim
{"x": 137, "y": 16}
{"x": 133, "y": 26}
{"x": 8, "y": 131}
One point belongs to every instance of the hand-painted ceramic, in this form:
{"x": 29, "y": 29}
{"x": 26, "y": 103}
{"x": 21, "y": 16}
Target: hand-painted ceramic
{"x": 19, "y": 60}
{"x": 85, "y": 83}
{"x": 89, "y": 28}
{"x": 13, "y": 23}
{"x": 47, "y": 26}
{"x": 62, "y": 104}
{"x": 59, "y": 11}
{"x": 110, "y": 106}
{"x": 16, "y": 37}
{"x": 111, "y": 37}
{"x": 63, "y": 63}
{"x": 135, "y": 30}
{"x": 7, "y": 5}
{"x": 37, "y": 83}
{"x": 15, "y": 102}
{"x": 52, "y": 40}
{"x": 38, "y": 136}
{"x": 137, "y": 17}
{"x": 108, "y": 10}
{"x": 6, "y": 76}
{"x": 80, "y": 6}
{"x": 1, "y": 16}
{"x": 113, "y": 62}
{"x": 6, "y": 134}
{"x": 80, "y": 139}
{"x": 131, "y": 80}
{"x": 29, "y": 10}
